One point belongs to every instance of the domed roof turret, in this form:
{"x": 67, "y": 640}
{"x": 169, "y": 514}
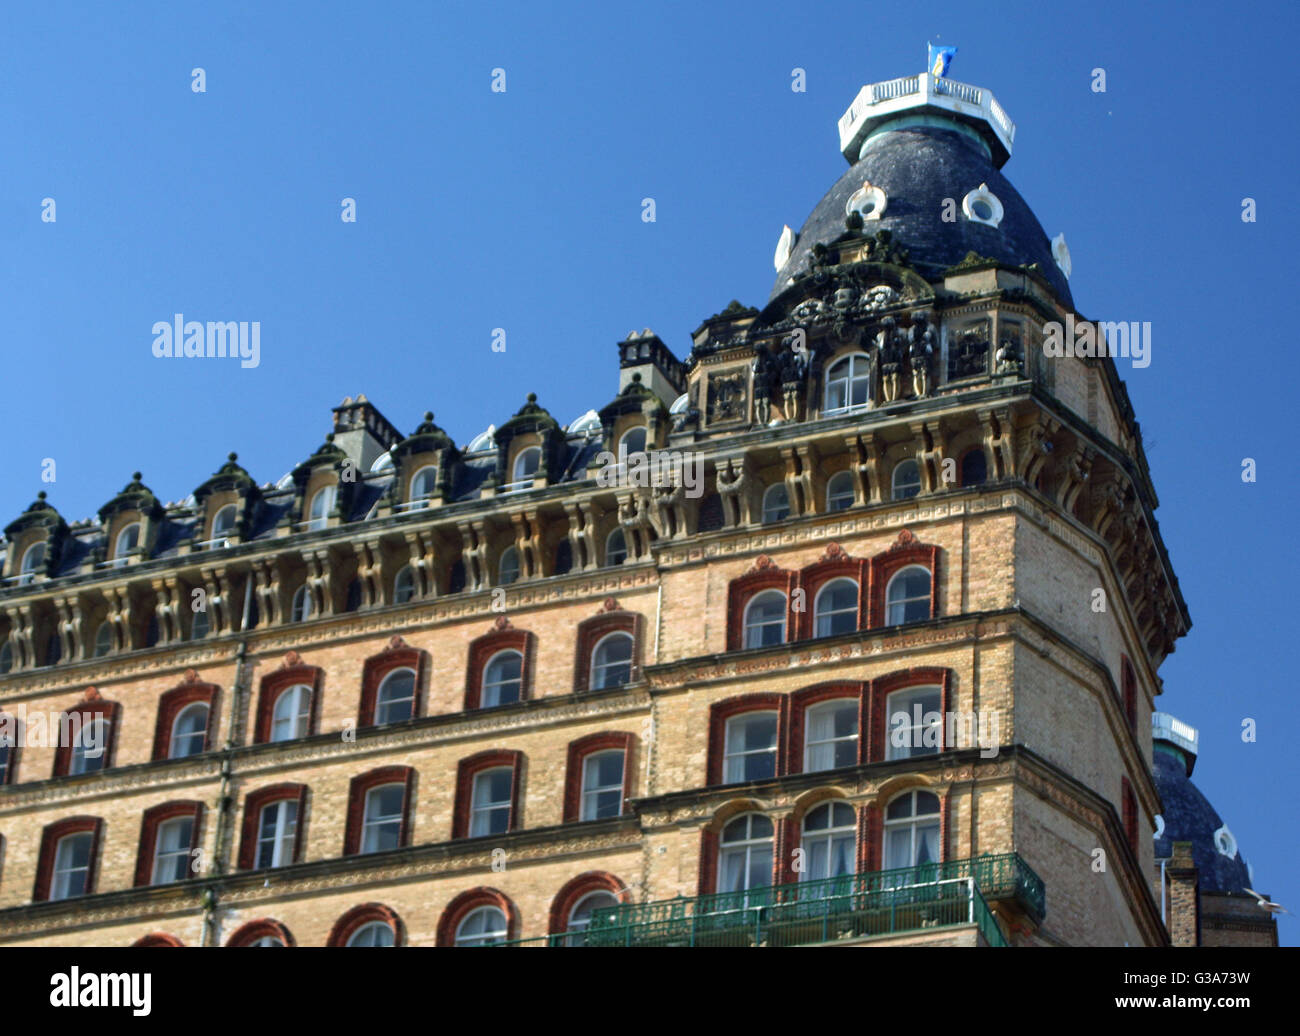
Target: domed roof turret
{"x": 926, "y": 167}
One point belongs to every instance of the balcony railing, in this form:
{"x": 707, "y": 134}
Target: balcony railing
{"x": 855, "y": 906}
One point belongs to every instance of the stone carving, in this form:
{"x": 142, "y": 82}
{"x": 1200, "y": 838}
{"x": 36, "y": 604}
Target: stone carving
{"x": 727, "y": 397}
{"x": 890, "y": 351}
{"x": 766, "y": 372}
{"x": 732, "y": 480}
{"x": 794, "y": 372}
{"x": 879, "y": 297}
{"x": 1010, "y": 355}
{"x": 968, "y": 352}
{"x": 921, "y": 354}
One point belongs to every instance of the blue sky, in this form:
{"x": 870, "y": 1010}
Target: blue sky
{"x": 522, "y": 210}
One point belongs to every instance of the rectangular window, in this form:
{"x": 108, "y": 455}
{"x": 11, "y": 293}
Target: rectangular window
{"x": 915, "y": 723}
{"x": 490, "y": 809}
{"x": 832, "y": 736}
{"x": 602, "y": 785}
{"x": 71, "y": 866}
{"x": 171, "y": 860}
{"x": 382, "y": 828}
{"x": 277, "y": 834}
{"x": 751, "y": 747}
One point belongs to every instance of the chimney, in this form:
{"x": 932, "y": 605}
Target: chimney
{"x": 362, "y": 432}
{"x": 661, "y": 372}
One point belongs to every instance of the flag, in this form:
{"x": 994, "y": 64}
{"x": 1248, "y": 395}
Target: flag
{"x": 940, "y": 57}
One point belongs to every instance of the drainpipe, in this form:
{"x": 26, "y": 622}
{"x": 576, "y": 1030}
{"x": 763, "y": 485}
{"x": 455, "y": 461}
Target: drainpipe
{"x": 224, "y": 803}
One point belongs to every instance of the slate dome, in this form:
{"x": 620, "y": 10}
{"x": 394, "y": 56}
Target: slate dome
{"x": 918, "y": 167}
{"x": 1189, "y": 817}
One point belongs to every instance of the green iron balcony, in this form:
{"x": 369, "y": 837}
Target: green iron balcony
{"x": 853, "y": 906}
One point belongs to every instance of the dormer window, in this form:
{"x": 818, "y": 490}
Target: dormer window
{"x": 321, "y": 506}
{"x": 423, "y": 483}
{"x": 982, "y": 206}
{"x": 633, "y": 442}
{"x": 127, "y": 540}
{"x": 526, "y": 465}
{"x": 33, "y": 563}
{"x": 223, "y": 524}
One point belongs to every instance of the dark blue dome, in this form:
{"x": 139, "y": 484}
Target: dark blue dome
{"x": 1189, "y": 817}
{"x": 919, "y": 167}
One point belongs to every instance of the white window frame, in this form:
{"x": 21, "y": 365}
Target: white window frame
{"x": 912, "y": 824}
{"x": 831, "y": 836}
{"x": 622, "y": 550}
{"x": 373, "y": 823}
{"x": 903, "y": 701}
{"x": 299, "y": 721}
{"x": 492, "y": 688}
{"x": 416, "y": 495}
{"x": 78, "y": 760}
{"x": 322, "y": 504}
{"x": 591, "y": 792}
{"x": 891, "y": 604}
{"x": 365, "y": 932}
{"x": 381, "y": 704}
{"x": 733, "y": 760}
{"x": 851, "y": 378}
{"x": 488, "y": 935}
{"x": 747, "y": 625}
{"x": 480, "y": 811}
{"x": 102, "y": 649}
{"x": 818, "y": 614}
{"x": 300, "y": 608}
{"x": 747, "y": 847}
{"x": 846, "y": 478}
{"x": 284, "y": 833}
{"x": 810, "y": 744}
{"x": 191, "y": 709}
{"x": 166, "y": 856}
{"x": 575, "y": 927}
{"x": 120, "y": 550}
{"x": 894, "y": 486}
{"x": 600, "y": 671}
{"x": 60, "y": 878}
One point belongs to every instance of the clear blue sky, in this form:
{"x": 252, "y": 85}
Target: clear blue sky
{"x": 522, "y": 210}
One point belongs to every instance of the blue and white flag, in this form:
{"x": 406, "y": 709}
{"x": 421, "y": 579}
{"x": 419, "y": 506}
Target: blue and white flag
{"x": 940, "y": 58}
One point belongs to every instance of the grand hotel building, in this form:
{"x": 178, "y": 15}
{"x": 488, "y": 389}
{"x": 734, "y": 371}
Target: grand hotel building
{"x": 421, "y": 694}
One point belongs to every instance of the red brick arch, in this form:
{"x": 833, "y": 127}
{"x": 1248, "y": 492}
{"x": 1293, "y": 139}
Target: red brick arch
{"x": 574, "y": 889}
{"x": 459, "y": 908}
{"x": 362, "y": 915}
{"x": 260, "y": 929}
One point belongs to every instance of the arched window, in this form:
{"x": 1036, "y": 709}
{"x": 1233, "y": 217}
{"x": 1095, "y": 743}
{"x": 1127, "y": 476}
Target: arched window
{"x": 404, "y": 585}
{"x": 750, "y": 750}
{"x": 71, "y": 865}
{"x": 836, "y": 608}
{"x": 580, "y": 916}
{"x": 292, "y": 713}
{"x": 745, "y": 854}
{"x": 974, "y": 467}
{"x": 200, "y": 625}
{"x": 831, "y": 735}
{"x": 906, "y": 482}
{"x": 915, "y": 722}
{"x": 611, "y": 661}
{"x": 277, "y": 833}
{"x": 482, "y": 927}
{"x": 381, "y": 826}
{"x": 376, "y": 933}
{"x": 189, "y": 731}
{"x": 266, "y": 940}
{"x": 224, "y": 523}
{"x": 396, "y": 700}
{"x": 839, "y": 492}
{"x": 103, "y": 639}
{"x": 509, "y": 569}
{"x": 503, "y": 679}
{"x": 632, "y": 442}
{"x": 490, "y": 805}
{"x": 829, "y": 841}
{"x": 172, "y": 859}
{"x": 6, "y": 657}
{"x": 907, "y": 598}
{"x": 527, "y": 463}
{"x": 765, "y": 619}
{"x": 776, "y": 504}
{"x": 301, "y": 608}
{"x": 33, "y": 563}
{"x": 322, "y": 504}
{"x": 912, "y": 830}
{"x": 848, "y": 384}
{"x": 602, "y": 785}
{"x": 615, "y": 548}
{"x": 127, "y": 540}
{"x": 423, "y": 483}
{"x": 90, "y": 748}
